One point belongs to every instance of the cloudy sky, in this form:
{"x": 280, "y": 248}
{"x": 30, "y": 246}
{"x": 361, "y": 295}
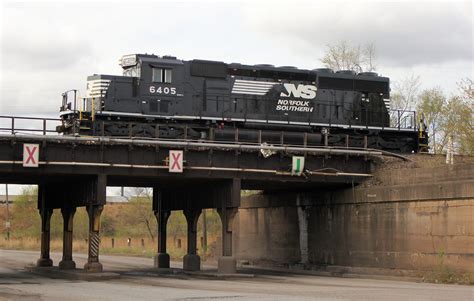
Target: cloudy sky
{"x": 49, "y": 47}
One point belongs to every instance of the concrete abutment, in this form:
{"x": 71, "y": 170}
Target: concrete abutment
{"x": 414, "y": 219}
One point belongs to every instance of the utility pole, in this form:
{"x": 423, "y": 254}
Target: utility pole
{"x": 450, "y": 151}
{"x": 7, "y": 217}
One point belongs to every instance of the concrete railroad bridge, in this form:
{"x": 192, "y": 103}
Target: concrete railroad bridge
{"x": 75, "y": 171}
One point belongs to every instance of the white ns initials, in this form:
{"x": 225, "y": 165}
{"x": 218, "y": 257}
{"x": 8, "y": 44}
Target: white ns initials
{"x": 299, "y": 91}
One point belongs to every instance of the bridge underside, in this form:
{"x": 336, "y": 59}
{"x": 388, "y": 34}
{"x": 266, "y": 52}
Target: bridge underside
{"x": 76, "y": 173}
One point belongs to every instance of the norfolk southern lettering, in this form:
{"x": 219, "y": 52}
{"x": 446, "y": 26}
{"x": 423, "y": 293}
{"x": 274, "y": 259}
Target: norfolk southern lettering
{"x": 167, "y": 98}
{"x": 294, "y": 106}
{"x": 297, "y": 91}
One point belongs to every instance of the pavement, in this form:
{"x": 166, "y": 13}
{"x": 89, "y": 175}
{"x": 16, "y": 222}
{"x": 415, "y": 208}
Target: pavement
{"x": 139, "y": 281}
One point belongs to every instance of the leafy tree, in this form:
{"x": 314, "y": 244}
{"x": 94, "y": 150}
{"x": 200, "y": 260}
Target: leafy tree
{"x": 25, "y": 219}
{"x": 81, "y": 223}
{"x": 451, "y": 117}
{"x": 431, "y": 104}
{"x": 458, "y": 124}
{"x": 176, "y": 226}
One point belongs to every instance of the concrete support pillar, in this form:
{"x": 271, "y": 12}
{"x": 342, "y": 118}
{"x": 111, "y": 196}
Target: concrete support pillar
{"x": 45, "y": 260}
{"x": 192, "y": 261}
{"x": 93, "y": 264}
{"x": 68, "y": 221}
{"x": 227, "y": 263}
{"x": 162, "y": 259}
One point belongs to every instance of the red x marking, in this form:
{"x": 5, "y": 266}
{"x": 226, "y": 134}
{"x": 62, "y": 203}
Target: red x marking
{"x": 31, "y": 152}
{"x": 175, "y": 159}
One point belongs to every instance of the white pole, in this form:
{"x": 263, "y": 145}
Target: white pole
{"x": 7, "y": 218}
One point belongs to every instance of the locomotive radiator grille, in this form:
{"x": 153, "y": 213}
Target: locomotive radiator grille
{"x": 97, "y": 88}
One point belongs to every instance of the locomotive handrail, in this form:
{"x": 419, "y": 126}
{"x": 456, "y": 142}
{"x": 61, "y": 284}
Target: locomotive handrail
{"x": 365, "y": 115}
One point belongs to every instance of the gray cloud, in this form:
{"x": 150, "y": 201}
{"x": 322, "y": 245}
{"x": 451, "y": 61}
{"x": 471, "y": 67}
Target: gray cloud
{"x": 406, "y": 33}
{"x": 44, "y": 42}
{"x": 48, "y": 48}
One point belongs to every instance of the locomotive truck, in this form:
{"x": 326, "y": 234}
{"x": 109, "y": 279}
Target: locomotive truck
{"x": 168, "y": 98}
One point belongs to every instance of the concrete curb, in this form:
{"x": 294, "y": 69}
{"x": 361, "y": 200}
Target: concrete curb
{"x": 221, "y": 276}
{"x": 179, "y": 273}
{"x": 76, "y": 274}
{"x": 333, "y": 273}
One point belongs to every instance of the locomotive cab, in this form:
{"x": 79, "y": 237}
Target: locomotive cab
{"x": 149, "y": 85}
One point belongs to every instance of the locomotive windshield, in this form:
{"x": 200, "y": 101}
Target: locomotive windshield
{"x": 162, "y": 75}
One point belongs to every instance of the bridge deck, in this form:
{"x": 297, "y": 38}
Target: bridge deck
{"x": 145, "y": 162}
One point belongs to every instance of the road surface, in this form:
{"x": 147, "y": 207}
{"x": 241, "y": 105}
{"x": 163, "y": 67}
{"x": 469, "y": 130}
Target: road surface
{"x": 137, "y": 284}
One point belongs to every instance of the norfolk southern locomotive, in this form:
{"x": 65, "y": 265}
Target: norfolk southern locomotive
{"x": 167, "y": 98}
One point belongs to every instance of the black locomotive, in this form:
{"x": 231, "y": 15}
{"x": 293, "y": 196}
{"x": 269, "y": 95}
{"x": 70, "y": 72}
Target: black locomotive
{"x": 167, "y": 98}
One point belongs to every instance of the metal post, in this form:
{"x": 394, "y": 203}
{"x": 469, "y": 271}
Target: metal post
{"x": 75, "y": 105}
{"x": 347, "y": 146}
{"x": 365, "y": 146}
{"x": 399, "y": 121}
{"x": 7, "y": 217}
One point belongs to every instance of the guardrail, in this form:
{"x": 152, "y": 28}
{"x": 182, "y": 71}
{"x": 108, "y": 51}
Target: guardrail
{"x": 24, "y": 124}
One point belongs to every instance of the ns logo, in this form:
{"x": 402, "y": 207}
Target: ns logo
{"x": 299, "y": 91}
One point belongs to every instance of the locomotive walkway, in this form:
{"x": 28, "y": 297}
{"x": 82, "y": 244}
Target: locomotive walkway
{"x": 185, "y": 175}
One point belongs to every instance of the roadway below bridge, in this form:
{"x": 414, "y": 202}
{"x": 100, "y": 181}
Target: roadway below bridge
{"x": 136, "y": 283}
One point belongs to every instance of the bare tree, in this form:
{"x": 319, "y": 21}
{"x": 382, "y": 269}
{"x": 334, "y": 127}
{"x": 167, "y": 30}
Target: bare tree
{"x": 466, "y": 87}
{"x": 342, "y": 56}
{"x": 403, "y": 99}
{"x": 141, "y": 200}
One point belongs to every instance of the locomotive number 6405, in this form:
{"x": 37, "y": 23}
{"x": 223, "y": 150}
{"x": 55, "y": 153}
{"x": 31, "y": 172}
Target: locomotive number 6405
{"x": 163, "y": 90}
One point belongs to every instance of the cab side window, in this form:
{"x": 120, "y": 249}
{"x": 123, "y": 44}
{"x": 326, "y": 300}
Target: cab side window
{"x": 162, "y": 75}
